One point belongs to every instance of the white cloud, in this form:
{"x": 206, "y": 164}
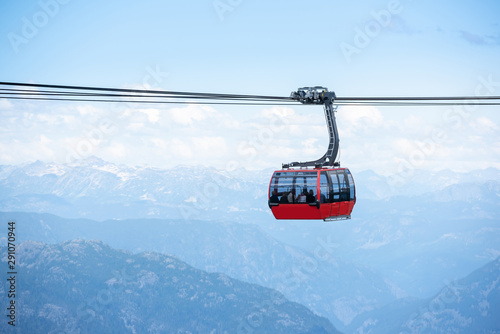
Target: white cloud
{"x": 188, "y": 115}
{"x": 278, "y": 111}
{"x": 359, "y": 119}
{"x": 115, "y": 150}
{"x": 160, "y": 143}
{"x": 231, "y": 124}
{"x": 413, "y": 122}
{"x": 56, "y": 119}
{"x": 284, "y": 153}
{"x": 309, "y": 146}
{"x": 136, "y": 126}
{"x": 37, "y": 147}
{"x": 5, "y": 104}
{"x": 484, "y": 125}
{"x": 180, "y": 148}
{"x": 153, "y": 114}
{"x": 207, "y": 146}
{"x": 403, "y": 145}
{"x": 370, "y": 138}
{"x": 85, "y": 110}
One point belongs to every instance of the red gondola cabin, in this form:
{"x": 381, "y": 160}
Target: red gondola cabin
{"x": 326, "y": 193}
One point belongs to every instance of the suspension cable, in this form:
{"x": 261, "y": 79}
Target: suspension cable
{"x": 46, "y": 92}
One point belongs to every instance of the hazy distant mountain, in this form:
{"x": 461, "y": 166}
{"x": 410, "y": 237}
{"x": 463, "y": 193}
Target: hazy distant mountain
{"x": 408, "y": 237}
{"x": 100, "y": 190}
{"x": 417, "y": 182}
{"x": 87, "y": 287}
{"x": 328, "y": 285}
{"x": 418, "y": 242}
{"x": 468, "y": 305}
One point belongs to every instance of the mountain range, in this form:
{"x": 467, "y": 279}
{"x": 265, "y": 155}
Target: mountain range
{"x": 96, "y": 189}
{"x": 330, "y": 286}
{"x": 468, "y": 305}
{"x": 444, "y": 224}
{"x": 82, "y": 286}
{"x": 405, "y": 241}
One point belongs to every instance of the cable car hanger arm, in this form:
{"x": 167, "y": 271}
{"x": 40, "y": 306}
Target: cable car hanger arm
{"x": 320, "y": 95}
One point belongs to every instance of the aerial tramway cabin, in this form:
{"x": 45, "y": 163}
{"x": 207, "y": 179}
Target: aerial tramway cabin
{"x": 321, "y": 193}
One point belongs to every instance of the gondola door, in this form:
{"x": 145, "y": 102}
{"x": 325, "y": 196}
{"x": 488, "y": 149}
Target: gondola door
{"x": 325, "y": 195}
{"x": 335, "y": 193}
{"x": 344, "y": 193}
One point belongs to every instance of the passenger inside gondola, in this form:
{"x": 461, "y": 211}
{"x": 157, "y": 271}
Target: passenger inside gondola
{"x": 310, "y": 197}
{"x": 274, "y": 197}
{"x": 302, "y": 197}
{"x": 284, "y": 198}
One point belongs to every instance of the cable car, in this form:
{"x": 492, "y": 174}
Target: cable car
{"x": 318, "y": 189}
{"x": 326, "y": 193}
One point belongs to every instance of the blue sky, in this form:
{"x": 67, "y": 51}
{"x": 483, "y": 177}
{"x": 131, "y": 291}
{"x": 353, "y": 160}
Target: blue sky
{"x": 363, "y": 48}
